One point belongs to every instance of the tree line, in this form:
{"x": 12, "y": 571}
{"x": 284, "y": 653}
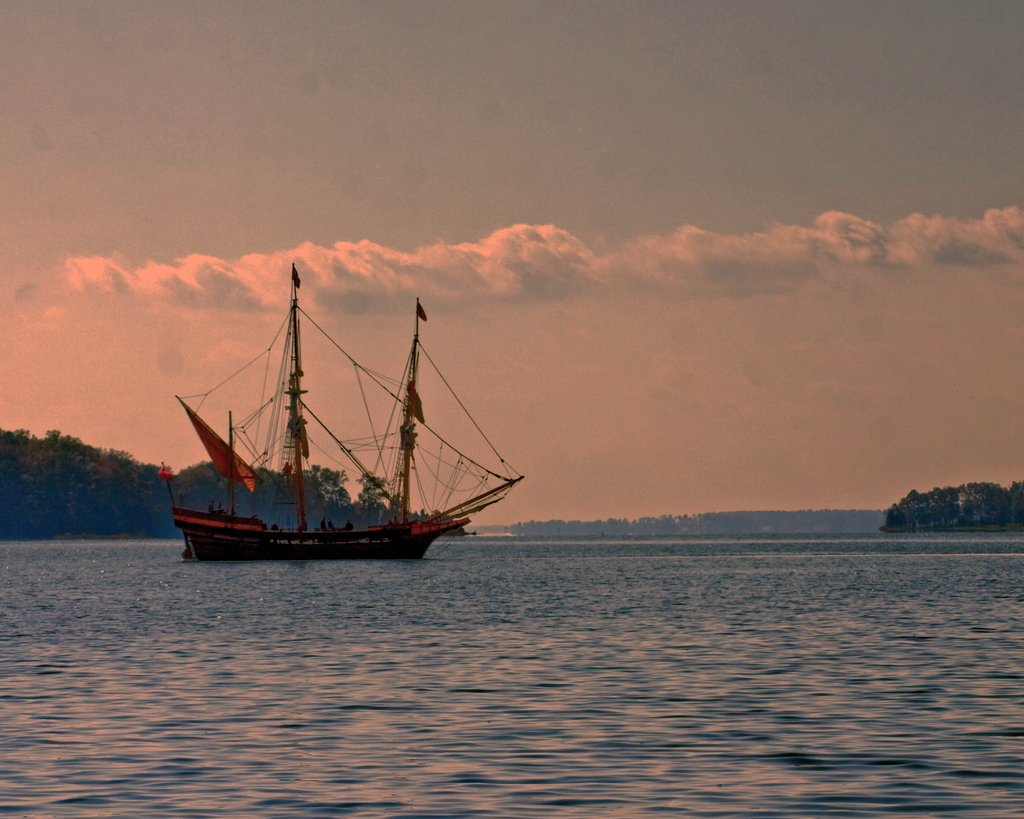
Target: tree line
{"x": 56, "y": 485}
{"x": 968, "y": 505}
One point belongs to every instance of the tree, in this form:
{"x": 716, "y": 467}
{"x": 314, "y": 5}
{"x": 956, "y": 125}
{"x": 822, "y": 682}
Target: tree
{"x": 945, "y": 505}
{"x": 917, "y": 509}
{"x": 199, "y": 486}
{"x": 1017, "y": 502}
{"x": 371, "y": 507}
{"x": 985, "y": 504}
{"x": 326, "y": 493}
{"x": 895, "y": 517}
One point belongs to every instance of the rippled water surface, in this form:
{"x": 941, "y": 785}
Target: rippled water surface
{"x": 501, "y": 677}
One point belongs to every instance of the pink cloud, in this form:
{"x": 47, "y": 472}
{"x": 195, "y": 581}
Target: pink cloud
{"x": 783, "y": 256}
{"x": 997, "y": 238}
{"x": 195, "y": 281}
{"x": 544, "y": 263}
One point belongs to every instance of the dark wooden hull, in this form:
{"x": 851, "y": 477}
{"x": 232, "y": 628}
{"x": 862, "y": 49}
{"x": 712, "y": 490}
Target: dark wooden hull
{"x": 217, "y": 536}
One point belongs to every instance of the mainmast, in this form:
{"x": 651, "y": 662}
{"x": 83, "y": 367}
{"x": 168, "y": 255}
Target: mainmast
{"x": 296, "y": 438}
{"x": 231, "y": 463}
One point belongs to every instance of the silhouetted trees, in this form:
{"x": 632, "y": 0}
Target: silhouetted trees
{"x": 965, "y": 506}
{"x": 200, "y": 485}
{"x": 57, "y": 485}
{"x": 371, "y": 506}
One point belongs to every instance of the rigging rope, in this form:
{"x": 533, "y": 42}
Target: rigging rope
{"x": 225, "y": 381}
{"x": 266, "y": 378}
{"x": 366, "y": 473}
{"x": 377, "y": 377}
{"x": 470, "y": 417}
{"x": 369, "y": 416}
{"x": 374, "y": 377}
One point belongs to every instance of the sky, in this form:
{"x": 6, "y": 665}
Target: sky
{"x": 677, "y": 257}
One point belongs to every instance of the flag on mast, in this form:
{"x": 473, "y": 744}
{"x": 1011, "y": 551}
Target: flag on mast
{"x": 295, "y": 275}
{"x": 420, "y": 312}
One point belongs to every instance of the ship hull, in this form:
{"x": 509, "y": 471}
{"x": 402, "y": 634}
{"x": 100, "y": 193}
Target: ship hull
{"x": 217, "y": 536}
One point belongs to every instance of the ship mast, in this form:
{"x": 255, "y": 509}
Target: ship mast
{"x": 231, "y": 462}
{"x": 411, "y": 410}
{"x": 296, "y": 434}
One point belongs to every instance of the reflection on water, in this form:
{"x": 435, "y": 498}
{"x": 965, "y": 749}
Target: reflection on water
{"x": 703, "y": 676}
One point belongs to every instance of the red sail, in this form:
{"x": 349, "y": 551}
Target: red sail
{"x": 221, "y": 454}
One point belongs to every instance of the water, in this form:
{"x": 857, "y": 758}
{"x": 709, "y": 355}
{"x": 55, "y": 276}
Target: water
{"x": 722, "y": 676}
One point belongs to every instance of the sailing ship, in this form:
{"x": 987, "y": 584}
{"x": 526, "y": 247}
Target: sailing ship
{"x": 281, "y": 468}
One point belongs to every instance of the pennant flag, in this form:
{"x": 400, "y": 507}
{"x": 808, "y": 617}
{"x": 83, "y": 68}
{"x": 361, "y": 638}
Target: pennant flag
{"x": 295, "y": 275}
{"x": 226, "y": 462}
{"x": 165, "y": 474}
{"x": 420, "y": 312}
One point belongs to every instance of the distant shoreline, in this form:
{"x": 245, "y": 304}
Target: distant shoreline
{"x": 803, "y": 521}
{"x": 1008, "y": 527}
{"x": 121, "y": 536}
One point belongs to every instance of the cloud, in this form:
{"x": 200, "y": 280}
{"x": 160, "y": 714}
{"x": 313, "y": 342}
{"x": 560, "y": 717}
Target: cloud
{"x": 195, "y": 281}
{"x": 525, "y": 263}
{"x": 784, "y": 256}
{"x": 997, "y": 238}
{"x": 521, "y": 262}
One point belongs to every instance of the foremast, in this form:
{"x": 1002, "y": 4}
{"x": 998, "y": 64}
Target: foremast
{"x": 412, "y": 410}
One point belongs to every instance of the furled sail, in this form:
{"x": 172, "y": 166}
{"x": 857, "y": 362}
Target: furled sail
{"x": 227, "y": 462}
{"x": 415, "y": 403}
